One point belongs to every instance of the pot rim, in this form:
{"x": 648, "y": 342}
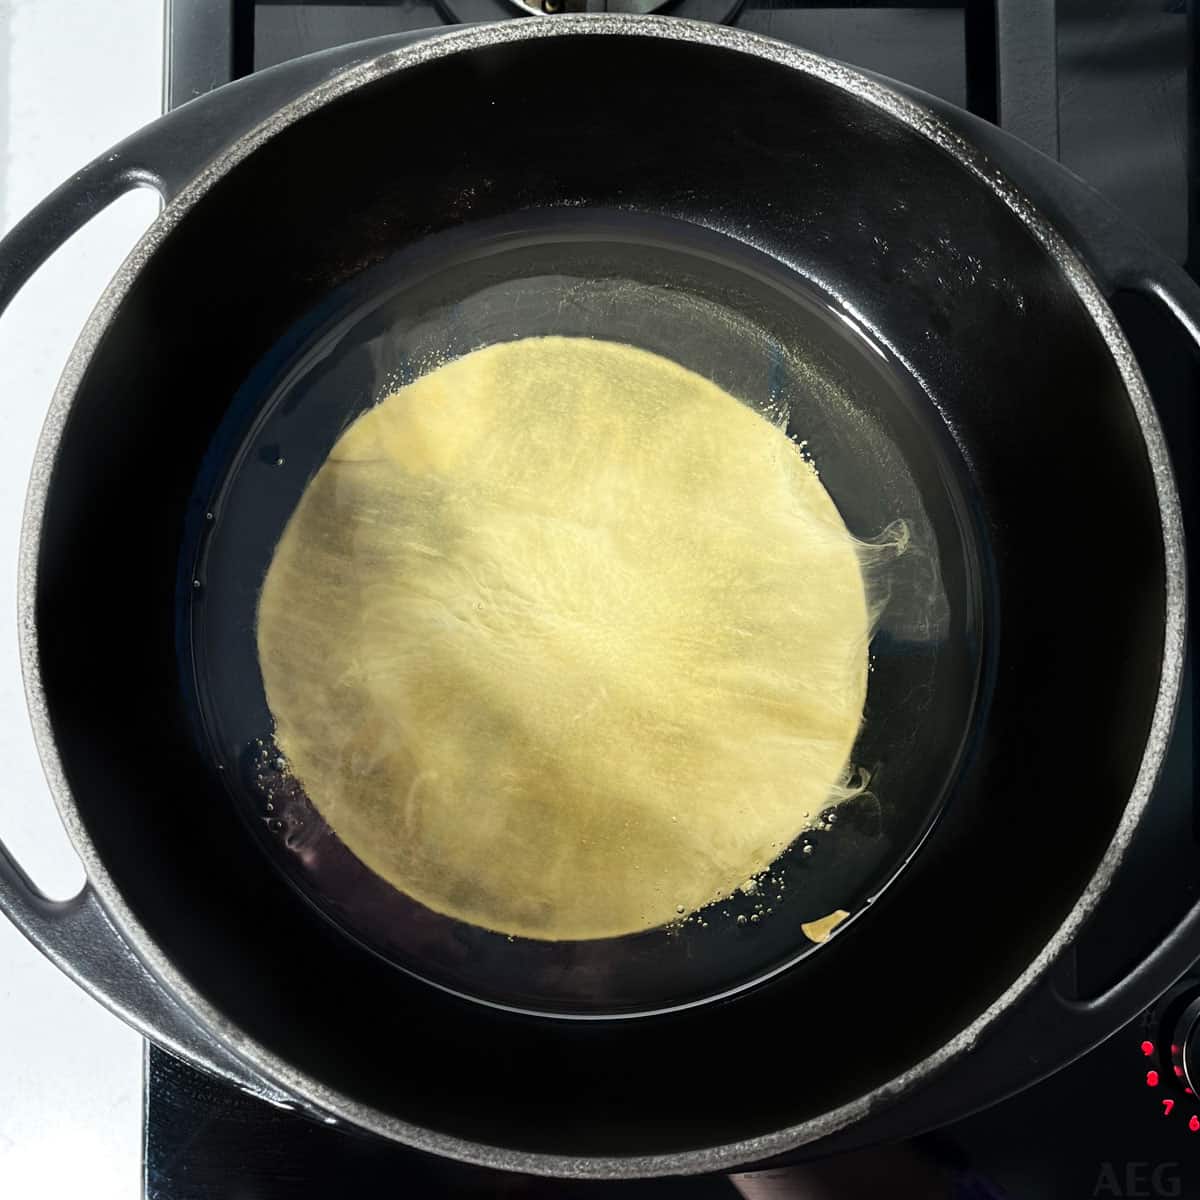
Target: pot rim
{"x": 311, "y": 1092}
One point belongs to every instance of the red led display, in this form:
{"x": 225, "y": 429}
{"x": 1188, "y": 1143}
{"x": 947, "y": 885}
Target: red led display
{"x": 1167, "y": 1106}
{"x": 1178, "y": 1070}
{"x": 1147, "y": 1048}
{"x": 1152, "y": 1079}
{"x": 1194, "y": 1123}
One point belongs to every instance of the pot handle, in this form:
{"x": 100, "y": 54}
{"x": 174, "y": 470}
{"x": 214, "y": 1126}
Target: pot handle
{"x": 79, "y": 938}
{"x": 1179, "y": 302}
{"x": 170, "y": 152}
{"x": 64, "y": 212}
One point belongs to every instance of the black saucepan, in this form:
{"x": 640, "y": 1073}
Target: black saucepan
{"x": 964, "y": 373}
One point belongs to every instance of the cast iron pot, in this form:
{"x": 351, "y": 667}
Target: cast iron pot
{"x": 184, "y": 930}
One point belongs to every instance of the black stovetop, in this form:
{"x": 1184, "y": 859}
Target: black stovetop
{"x": 1104, "y": 87}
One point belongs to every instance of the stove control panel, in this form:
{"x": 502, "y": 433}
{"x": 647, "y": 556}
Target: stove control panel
{"x": 1169, "y": 1054}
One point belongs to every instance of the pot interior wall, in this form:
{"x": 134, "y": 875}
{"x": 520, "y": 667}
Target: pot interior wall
{"x": 1064, "y": 507}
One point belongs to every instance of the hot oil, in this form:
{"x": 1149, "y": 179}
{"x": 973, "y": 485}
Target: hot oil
{"x": 758, "y": 331}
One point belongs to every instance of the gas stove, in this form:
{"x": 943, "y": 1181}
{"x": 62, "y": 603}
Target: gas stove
{"x": 1104, "y": 87}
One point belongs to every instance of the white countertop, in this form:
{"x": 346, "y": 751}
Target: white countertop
{"x": 74, "y": 78}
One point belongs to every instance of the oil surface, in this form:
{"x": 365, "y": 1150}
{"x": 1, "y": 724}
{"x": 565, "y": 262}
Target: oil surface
{"x": 751, "y": 328}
